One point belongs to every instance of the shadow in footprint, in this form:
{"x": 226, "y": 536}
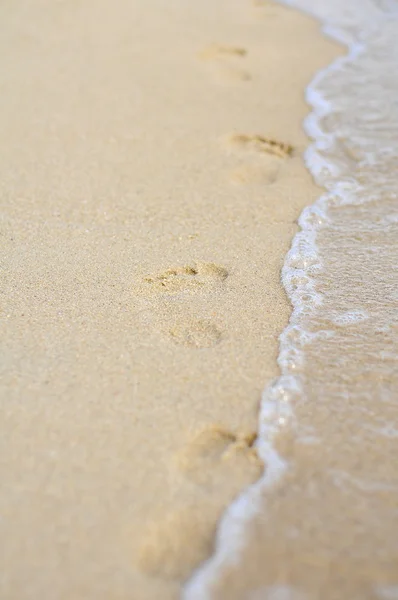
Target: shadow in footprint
{"x": 217, "y": 51}
{"x": 186, "y": 278}
{"x": 259, "y": 144}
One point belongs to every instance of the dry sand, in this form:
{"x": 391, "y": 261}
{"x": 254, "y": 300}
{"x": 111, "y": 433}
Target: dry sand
{"x": 150, "y": 181}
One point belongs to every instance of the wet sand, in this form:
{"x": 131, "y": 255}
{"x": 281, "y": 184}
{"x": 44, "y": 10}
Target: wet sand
{"x": 150, "y": 181}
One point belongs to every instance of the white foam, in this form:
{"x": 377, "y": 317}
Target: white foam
{"x": 350, "y": 317}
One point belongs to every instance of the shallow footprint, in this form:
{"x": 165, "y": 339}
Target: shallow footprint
{"x": 216, "y": 457}
{"x": 194, "y": 333}
{"x": 263, "y": 9}
{"x": 251, "y": 174}
{"x": 216, "y": 50}
{"x": 174, "y": 542}
{"x": 259, "y": 144}
{"x": 224, "y": 60}
{"x": 186, "y": 278}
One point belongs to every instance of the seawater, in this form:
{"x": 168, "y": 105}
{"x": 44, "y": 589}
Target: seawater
{"x": 322, "y": 523}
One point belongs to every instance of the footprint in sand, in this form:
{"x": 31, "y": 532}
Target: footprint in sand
{"x": 215, "y": 456}
{"x": 195, "y": 333}
{"x": 175, "y": 297}
{"x": 188, "y": 278}
{"x": 225, "y": 61}
{"x": 255, "y": 174}
{"x": 175, "y": 541}
{"x": 259, "y": 144}
{"x": 263, "y": 8}
{"x": 266, "y": 155}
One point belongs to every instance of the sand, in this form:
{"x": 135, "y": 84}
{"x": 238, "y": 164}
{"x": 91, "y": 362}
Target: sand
{"x": 151, "y": 176}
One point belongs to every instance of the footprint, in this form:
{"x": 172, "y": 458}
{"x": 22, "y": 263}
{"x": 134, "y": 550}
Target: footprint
{"x": 187, "y": 278}
{"x": 266, "y": 158}
{"x": 225, "y": 60}
{"x": 264, "y": 8}
{"x": 260, "y": 144}
{"x": 175, "y": 541}
{"x": 216, "y": 455}
{"x": 215, "y": 51}
{"x": 195, "y": 334}
{"x": 231, "y": 73}
{"x": 251, "y": 174}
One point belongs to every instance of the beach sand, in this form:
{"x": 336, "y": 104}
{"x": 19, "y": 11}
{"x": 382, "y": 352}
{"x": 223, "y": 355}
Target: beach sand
{"x": 151, "y": 177}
